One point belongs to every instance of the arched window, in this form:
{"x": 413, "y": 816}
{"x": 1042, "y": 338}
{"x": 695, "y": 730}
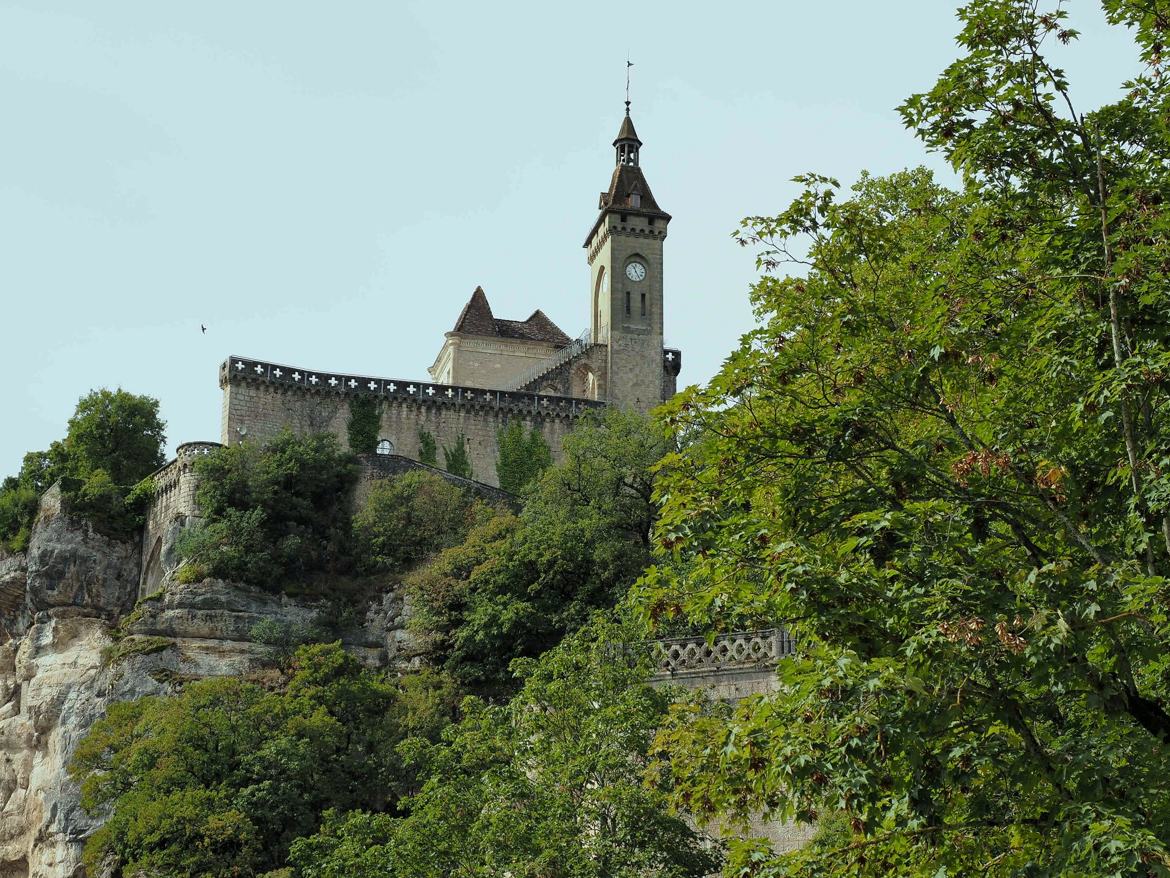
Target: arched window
{"x": 385, "y": 446}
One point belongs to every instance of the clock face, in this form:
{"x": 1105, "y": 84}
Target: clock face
{"x": 635, "y": 271}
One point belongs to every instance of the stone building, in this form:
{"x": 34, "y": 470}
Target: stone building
{"x": 488, "y": 370}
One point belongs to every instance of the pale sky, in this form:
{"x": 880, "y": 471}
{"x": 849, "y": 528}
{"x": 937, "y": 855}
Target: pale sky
{"x": 325, "y": 184}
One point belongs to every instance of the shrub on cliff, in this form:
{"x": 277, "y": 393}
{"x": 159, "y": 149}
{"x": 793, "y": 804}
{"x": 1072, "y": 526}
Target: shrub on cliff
{"x": 273, "y": 514}
{"x": 517, "y": 585}
{"x": 551, "y": 784}
{"x": 407, "y": 518}
{"x": 18, "y": 508}
{"x": 219, "y": 779}
{"x": 113, "y": 441}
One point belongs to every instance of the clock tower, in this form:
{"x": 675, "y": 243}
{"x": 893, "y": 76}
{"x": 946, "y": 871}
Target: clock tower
{"x": 624, "y": 250}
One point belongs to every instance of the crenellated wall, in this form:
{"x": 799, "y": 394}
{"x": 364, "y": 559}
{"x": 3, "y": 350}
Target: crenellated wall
{"x": 261, "y": 399}
{"x": 171, "y": 509}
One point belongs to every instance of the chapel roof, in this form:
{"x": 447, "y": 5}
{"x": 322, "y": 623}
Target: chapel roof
{"x": 476, "y": 318}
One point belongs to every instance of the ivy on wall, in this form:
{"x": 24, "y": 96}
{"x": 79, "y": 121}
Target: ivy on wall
{"x": 522, "y": 456}
{"x": 428, "y": 450}
{"x": 456, "y": 460}
{"x": 365, "y": 416}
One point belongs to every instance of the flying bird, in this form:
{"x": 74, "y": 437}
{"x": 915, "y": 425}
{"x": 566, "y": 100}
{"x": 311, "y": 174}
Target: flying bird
{"x": 204, "y": 328}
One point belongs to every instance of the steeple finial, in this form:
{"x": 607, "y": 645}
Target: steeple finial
{"x": 629, "y": 64}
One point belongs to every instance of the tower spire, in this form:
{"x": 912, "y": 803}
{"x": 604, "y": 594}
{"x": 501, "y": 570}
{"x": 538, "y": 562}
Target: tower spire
{"x": 627, "y": 143}
{"x": 629, "y": 64}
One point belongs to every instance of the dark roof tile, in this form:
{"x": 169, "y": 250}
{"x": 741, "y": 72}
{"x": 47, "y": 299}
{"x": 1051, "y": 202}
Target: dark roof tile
{"x": 476, "y": 316}
{"x": 476, "y": 319}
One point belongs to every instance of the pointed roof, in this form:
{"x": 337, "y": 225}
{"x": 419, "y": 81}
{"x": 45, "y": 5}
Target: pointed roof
{"x": 627, "y": 131}
{"x": 627, "y": 181}
{"x": 476, "y": 319}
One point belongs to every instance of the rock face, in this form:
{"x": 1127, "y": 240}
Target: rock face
{"x": 70, "y": 624}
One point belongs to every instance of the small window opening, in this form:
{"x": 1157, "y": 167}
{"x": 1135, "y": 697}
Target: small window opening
{"x": 643, "y": 304}
{"x": 635, "y": 200}
{"x": 385, "y": 446}
{"x": 627, "y": 303}
{"x": 624, "y": 218}
{"x": 651, "y": 220}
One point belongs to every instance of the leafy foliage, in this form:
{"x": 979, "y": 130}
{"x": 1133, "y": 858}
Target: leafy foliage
{"x": 522, "y": 456}
{"x": 117, "y": 433}
{"x": 940, "y": 459}
{"x": 221, "y": 778}
{"x": 550, "y": 784}
{"x": 408, "y": 518}
{"x": 18, "y": 509}
{"x": 517, "y": 585}
{"x": 113, "y": 441}
{"x": 365, "y": 417}
{"x": 354, "y": 845}
{"x": 273, "y": 514}
{"x": 456, "y": 459}
{"x": 283, "y": 639}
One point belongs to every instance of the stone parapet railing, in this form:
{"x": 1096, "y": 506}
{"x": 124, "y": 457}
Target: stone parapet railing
{"x": 243, "y": 369}
{"x": 570, "y": 351}
{"x": 726, "y": 652}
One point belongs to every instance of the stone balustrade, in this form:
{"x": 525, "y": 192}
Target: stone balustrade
{"x": 742, "y": 650}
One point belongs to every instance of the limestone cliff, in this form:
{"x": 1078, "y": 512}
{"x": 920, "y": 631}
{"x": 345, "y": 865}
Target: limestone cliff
{"x": 76, "y": 639}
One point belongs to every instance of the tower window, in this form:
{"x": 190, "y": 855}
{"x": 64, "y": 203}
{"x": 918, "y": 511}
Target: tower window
{"x": 635, "y": 200}
{"x": 627, "y": 303}
{"x": 643, "y": 304}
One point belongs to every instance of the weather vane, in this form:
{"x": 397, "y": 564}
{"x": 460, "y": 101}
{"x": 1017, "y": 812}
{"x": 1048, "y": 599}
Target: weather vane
{"x": 629, "y": 64}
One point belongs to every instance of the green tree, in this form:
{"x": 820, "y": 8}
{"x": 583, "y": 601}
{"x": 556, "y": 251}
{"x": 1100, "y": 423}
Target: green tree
{"x": 221, "y": 778}
{"x": 113, "y": 441}
{"x": 522, "y": 457}
{"x": 551, "y": 783}
{"x": 428, "y": 449}
{"x": 116, "y": 432}
{"x": 273, "y": 515}
{"x": 354, "y": 845}
{"x": 939, "y": 459}
{"x": 456, "y": 460}
{"x": 517, "y": 585}
{"x": 409, "y": 517}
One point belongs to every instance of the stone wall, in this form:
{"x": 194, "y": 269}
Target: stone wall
{"x": 582, "y": 371}
{"x": 171, "y": 509}
{"x": 376, "y": 467}
{"x": 487, "y": 362}
{"x": 261, "y": 399}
